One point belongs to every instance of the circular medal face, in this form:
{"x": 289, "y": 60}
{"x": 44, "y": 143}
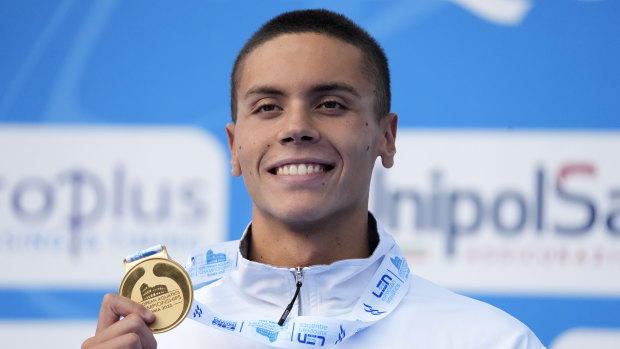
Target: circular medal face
{"x": 163, "y": 287}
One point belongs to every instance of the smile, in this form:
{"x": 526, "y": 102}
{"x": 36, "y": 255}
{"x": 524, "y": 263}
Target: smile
{"x": 300, "y": 169}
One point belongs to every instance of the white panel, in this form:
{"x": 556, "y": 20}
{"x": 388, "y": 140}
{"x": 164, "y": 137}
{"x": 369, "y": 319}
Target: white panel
{"x": 489, "y": 211}
{"x": 75, "y": 200}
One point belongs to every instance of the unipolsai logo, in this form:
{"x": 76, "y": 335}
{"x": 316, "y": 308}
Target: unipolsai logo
{"x": 543, "y": 204}
{"x": 510, "y": 211}
{"x": 81, "y": 195}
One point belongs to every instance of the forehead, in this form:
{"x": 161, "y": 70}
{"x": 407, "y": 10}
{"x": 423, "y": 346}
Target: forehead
{"x": 295, "y": 60}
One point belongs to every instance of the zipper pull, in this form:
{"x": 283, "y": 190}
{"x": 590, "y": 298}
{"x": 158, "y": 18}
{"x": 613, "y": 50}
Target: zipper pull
{"x": 299, "y": 277}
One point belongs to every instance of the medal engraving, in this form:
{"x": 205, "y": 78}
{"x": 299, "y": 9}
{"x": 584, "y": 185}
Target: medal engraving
{"x": 160, "y": 285}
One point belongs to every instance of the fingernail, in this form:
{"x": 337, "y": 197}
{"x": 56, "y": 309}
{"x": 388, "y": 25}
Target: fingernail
{"x": 148, "y": 316}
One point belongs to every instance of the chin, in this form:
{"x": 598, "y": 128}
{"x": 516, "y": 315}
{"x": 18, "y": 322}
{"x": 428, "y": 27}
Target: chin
{"x": 302, "y": 215}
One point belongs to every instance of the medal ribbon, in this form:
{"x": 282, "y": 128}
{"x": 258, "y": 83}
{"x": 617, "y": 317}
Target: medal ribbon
{"x": 386, "y": 289}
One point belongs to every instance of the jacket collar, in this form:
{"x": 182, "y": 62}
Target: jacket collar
{"x": 327, "y": 290}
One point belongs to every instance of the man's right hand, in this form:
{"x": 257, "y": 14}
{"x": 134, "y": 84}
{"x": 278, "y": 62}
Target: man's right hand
{"x": 131, "y": 331}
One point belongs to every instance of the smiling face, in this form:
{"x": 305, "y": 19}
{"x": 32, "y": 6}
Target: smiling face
{"x": 306, "y": 137}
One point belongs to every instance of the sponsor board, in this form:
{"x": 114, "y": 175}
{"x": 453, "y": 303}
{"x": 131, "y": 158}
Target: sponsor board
{"x": 518, "y": 212}
{"x": 75, "y": 200}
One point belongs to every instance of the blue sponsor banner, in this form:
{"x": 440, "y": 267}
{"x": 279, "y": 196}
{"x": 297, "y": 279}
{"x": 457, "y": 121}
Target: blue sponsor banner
{"x": 550, "y": 316}
{"x": 60, "y": 304}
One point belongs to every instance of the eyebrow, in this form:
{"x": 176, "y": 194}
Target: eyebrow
{"x": 319, "y": 88}
{"x": 335, "y": 86}
{"x": 263, "y": 90}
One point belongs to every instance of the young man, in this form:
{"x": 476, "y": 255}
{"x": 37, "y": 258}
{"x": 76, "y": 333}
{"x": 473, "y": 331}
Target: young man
{"x": 310, "y": 100}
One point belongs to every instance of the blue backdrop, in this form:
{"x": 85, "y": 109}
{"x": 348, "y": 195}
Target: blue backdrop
{"x": 549, "y": 65}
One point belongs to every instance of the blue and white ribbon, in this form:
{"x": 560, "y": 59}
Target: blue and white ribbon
{"x": 384, "y": 292}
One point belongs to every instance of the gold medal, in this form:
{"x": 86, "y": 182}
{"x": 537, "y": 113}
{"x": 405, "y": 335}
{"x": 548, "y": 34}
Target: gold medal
{"x": 160, "y": 285}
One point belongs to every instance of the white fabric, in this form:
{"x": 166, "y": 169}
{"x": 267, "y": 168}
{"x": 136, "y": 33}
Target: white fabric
{"x": 428, "y": 317}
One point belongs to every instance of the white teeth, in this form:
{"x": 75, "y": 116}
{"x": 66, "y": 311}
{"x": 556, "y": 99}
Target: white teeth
{"x": 299, "y": 169}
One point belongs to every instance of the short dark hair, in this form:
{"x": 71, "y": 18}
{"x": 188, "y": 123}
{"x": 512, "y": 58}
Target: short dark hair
{"x": 331, "y": 24}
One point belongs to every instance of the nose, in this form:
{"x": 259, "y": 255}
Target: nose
{"x": 298, "y": 128}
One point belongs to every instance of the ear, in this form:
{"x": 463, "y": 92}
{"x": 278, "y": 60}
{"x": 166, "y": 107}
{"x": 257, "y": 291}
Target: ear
{"x": 234, "y": 159}
{"x": 388, "y": 124}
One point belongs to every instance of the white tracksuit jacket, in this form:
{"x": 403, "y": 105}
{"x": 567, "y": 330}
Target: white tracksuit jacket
{"x": 428, "y": 317}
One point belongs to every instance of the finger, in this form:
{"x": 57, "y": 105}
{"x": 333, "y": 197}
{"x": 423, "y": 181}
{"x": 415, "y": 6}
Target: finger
{"x": 131, "y": 324}
{"x": 114, "y": 306}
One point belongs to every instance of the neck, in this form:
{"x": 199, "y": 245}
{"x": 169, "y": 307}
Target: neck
{"x": 301, "y": 245}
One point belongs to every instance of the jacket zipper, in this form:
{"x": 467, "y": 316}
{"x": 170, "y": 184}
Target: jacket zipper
{"x": 299, "y": 277}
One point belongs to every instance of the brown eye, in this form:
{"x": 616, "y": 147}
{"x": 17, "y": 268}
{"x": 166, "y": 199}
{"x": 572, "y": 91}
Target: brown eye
{"x": 266, "y": 108}
{"x": 331, "y": 105}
